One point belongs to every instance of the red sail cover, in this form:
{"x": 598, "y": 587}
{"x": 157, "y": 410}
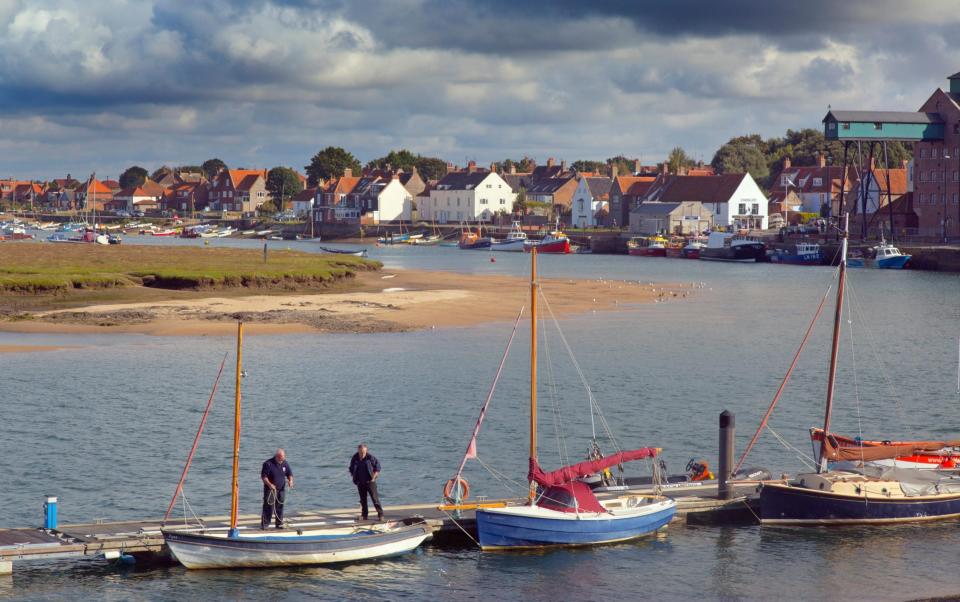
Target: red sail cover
{"x": 575, "y": 496}
{"x": 568, "y": 474}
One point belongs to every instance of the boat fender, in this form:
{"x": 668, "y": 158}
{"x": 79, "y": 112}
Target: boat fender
{"x": 448, "y": 489}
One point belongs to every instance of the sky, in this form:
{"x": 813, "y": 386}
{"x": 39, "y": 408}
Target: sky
{"x": 99, "y": 85}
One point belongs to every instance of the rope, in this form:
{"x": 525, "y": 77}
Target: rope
{"x": 186, "y": 506}
{"x": 786, "y": 378}
{"x": 459, "y": 526}
{"x": 504, "y": 479}
{"x": 856, "y": 382}
{"x": 803, "y": 458}
{"x": 555, "y": 404}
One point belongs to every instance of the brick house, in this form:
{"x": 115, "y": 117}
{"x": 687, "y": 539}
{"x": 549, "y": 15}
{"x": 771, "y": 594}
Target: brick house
{"x": 92, "y": 195}
{"x": 625, "y": 195}
{"x": 936, "y": 177}
{"x": 333, "y": 205}
{"x": 240, "y": 190}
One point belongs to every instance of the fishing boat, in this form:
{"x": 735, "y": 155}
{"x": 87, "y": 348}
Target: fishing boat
{"x": 303, "y": 545}
{"x": 692, "y": 249}
{"x": 862, "y": 493}
{"x": 726, "y": 246}
{"x": 940, "y": 455}
{"x": 889, "y": 257}
{"x": 513, "y": 242}
{"x": 471, "y": 240}
{"x": 647, "y": 246}
{"x": 329, "y": 250}
{"x": 165, "y": 232}
{"x": 560, "y": 509}
{"x": 554, "y": 242}
{"x": 801, "y": 253}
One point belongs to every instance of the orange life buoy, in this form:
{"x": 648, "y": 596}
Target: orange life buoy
{"x": 449, "y": 486}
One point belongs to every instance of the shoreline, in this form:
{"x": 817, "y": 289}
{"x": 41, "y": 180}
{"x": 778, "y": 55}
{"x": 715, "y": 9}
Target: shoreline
{"x": 377, "y": 302}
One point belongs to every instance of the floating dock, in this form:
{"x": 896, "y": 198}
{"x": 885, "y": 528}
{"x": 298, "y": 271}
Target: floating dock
{"x": 141, "y": 539}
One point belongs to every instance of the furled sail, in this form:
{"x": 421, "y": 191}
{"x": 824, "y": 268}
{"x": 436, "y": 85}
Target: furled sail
{"x": 583, "y": 469}
{"x": 833, "y": 450}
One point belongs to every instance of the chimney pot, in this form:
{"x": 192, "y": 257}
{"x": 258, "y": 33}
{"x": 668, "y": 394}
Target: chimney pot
{"x": 821, "y": 159}
{"x": 905, "y": 163}
{"x": 550, "y": 162}
{"x": 636, "y": 166}
{"x": 787, "y": 163}
{"x": 563, "y": 166}
{"x": 493, "y": 167}
{"x": 513, "y": 168}
{"x": 613, "y": 171}
{"x": 348, "y": 172}
{"x": 471, "y": 167}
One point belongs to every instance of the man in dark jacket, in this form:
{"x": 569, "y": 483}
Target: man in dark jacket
{"x": 276, "y": 475}
{"x": 364, "y": 468}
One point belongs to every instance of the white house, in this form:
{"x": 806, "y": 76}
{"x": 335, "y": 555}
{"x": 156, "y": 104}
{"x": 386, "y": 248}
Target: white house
{"x": 591, "y": 196}
{"x": 468, "y": 196}
{"x": 734, "y": 200}
{"x": 302, "y": 204}
{"x": 389, "y": 201}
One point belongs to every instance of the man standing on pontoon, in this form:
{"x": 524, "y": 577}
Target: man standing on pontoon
{"x": 365, "y": 469}
{"x": 276, "y": 475}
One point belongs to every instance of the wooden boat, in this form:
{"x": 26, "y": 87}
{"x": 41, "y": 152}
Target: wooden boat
{"x": 253, "y": 548}
{"x": 360, "y": 253}
{"x": 470, "y": 240}
{"x": 166, "y": 232}
{"x": 564, "y": 511}
{"x": 861, "y": 494}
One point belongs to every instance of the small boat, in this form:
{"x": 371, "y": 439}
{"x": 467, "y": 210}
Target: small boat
{"x": 802, "y": 253}
{"x": 293, "y": 546}
{"x": 859, "y": 493}
{"x": 166, "y": 232}
{"x": 647, "y": 246}
{"x": 114, "y": 239}
{"x": 692, "y": 249}
{"x": 889, "y": 257}
{"x": 360, "y": 253}
{"x": 555, "y": 242}
{"x": 514, "y": 240}
{"x": 725, "y": 246}
{"x": 263, "y": 233}
{"x": 561, "y": 510}
{"x": 473, "y": 240}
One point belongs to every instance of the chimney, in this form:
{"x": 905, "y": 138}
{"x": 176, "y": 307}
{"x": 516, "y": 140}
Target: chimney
{"x": 348, "y": 172}
{"x": 450, "y": 167}
{"x": 905, "y": 163}
{"x": 613, "y": 171}
{"x": 550, "y": 162}
{"x": 786, "y": 163}
{"x": 471, "y": 167}
{"x": 493, "y": 168}
{"x": 821, "y": 159}
{"x": 636, "y": 166}
{"x": 665, "y": 168}
{"x": 513, "y": 168}
{"x": 563, "y": 166}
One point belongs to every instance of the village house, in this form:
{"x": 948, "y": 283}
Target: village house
{"x": 146, "y": 197}
{"x": 817, "y": 186}
{"x": 468, "y": 196}
{"x": 302, "y": 203}
{"x": 385, "y": 200}
{"x": 240, "y": 190}
{"x": 28, "y": 194}
{"x": 332, "y": 206}
{"x": 185, "y": 197}
{"x": 626, "y": 193}
{"x": 683, "y": 218}
{"x": 734, "y": 200}
{"x": 92, "y": 195}
{"x": 590, "y": 201}
{"x": 936, "y": 181}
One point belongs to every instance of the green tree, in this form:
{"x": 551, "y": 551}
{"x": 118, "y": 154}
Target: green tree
{"x": 586, "y": 165}
{"x": 739, "y": 156}
{"x": 282, "y": 184}
{"x": 133, "y": 176}
{"x": 520, "y": 205}
{"x": 431, "y": 168}
{"x": 331, "y": 162}
{"x": 401, "y": 159}
{"x": 678, "y": 158}
{"x": 189, "y": 169}
{"x": 211, "y": 167}
{"x": 159, "y": 173}
{"x": 623, "y": 164}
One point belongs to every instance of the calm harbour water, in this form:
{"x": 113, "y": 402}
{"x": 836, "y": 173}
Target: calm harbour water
{"x": 106, "y": 424}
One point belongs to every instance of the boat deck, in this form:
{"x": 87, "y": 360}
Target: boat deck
{"x": 695, "y": 504}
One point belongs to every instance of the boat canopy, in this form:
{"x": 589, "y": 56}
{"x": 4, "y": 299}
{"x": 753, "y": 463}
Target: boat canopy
{"x": 575, "y": 496}
{"x": 571, "y": 473}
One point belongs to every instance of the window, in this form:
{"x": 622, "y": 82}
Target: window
{"x": 920, "y": 199}
{"x": 832, "y": 125}
{"x": 954, "y": 198}
{"x": 483, "y": 201}
{"x": 818, "y": 181}
{"x": 923, "y": 152}
{"x": 503, "y": 201}
{"x": 756, "y": 209}
{"x": 956, "y": 176}
{"x": 718, "y": 208}
{"x": 846, "y": 125}
{"x": 878, "y": 126}
{"x": 489, "y": 185}
{"x": 933, "y": 198}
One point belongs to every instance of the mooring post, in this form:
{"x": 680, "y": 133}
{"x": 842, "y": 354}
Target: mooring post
{"x": 50, "y": 512}
{"x": 264, "y": 252}
{"x": 725, "y": 464}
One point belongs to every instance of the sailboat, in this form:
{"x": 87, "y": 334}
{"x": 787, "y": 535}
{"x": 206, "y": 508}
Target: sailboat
{"x": 561, "y": 510}
{"x": 862, "y": 493}
{"x": 297, "y": 545}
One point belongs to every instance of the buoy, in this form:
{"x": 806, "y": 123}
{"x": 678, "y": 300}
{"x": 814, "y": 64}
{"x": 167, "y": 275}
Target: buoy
{"x": 449, "y": 486}
{"x": 493, "y": 259}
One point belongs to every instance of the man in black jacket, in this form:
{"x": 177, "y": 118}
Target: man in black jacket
{"x": 364, "y": 468}
{"x": 276, "y": 475}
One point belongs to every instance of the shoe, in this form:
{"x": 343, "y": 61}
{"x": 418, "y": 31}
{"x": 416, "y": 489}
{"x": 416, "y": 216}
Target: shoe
{"x": 380, "y": 517}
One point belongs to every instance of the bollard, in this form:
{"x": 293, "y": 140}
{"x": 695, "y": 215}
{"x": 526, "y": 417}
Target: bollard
{"x": 725, "y": 464}
{"x": 50, "y": 512}
{"x": 264, "y": 252}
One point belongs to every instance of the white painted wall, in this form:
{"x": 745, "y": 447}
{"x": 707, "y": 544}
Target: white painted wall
{"x": 481, "y": 203}
{"x": 395, "y": 203}
{"x": 583, "y": 208}
{"x": 747, "y": 194}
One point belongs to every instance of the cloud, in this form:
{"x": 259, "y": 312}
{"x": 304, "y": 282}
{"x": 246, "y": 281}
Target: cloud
{"x": 102, "y": 85}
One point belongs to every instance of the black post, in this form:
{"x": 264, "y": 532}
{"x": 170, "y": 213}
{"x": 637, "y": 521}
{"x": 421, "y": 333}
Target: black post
{"x": 886, "y": 163}
{"x": 865, "y": 194}
{"x": 264, "y": 252}
{"x": 843, "y": 185}
{"x": 725, "y": 465}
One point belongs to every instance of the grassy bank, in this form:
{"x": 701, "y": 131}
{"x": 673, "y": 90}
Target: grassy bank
{"x": 45, "y": 274}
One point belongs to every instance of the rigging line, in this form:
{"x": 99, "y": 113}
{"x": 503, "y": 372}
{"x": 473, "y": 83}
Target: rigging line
{"x": 196, "y": 439}
{"x": 504, "y": 479}
{"x": 856, "y": 382}
{"x": 594, "y": 405}
{"x": 465, "y": 532}
{"x": 552, "y": 390}
{"x": 803, "y": 457}
{"x": 786, "y": 377}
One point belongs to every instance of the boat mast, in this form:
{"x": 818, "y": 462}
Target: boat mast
{"x": 837, "y": 320}
{"x": 533, "y": 364}
{"x": 235, "y": 491}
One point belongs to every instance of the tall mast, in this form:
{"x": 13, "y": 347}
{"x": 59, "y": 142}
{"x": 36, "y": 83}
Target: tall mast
{"x": 837, "y": 320}
{"x": 235, "y": 490}
{"x": 533, "y": 363}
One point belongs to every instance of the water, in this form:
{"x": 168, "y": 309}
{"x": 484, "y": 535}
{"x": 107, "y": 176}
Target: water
{"x": 106, "y": 424}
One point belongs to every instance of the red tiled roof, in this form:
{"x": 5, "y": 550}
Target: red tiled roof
{"x": 705, "y": 189}
{"x": 305, "y": 195}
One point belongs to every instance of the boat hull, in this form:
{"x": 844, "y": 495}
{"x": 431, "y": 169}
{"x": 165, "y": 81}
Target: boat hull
{"x": 483, "y": 243}
{"x": 196, "y": 551}
{"x": 795, "y": 259}
{"x": 791, "y": 505}
{"x": 690, "y": 253}
{"x": 738, "y": 253}
{"x": 513, "y": 246}
{"x": 533, "y": 527}
{"x": 561, "y": 247}
{"x": 897, "y": 262}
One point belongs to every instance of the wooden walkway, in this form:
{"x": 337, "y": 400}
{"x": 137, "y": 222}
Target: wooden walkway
{"x": 110, "y": 540}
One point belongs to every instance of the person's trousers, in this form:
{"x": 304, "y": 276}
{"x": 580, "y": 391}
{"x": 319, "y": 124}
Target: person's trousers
{"x": 272, "y": 506}
{"x": 365, "y": 489}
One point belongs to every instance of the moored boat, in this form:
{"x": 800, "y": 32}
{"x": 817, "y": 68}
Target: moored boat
{"x": 332, "y": 251}
{"x": 725, "y": 246}
{"x": 514, "y": 240}
{"x": 801, "y": 253}
{"x": 647, "y": 246}
{"x": 930, "y": 455}
{"x": 555, "y": 242}
{"x": 692, "y": 249}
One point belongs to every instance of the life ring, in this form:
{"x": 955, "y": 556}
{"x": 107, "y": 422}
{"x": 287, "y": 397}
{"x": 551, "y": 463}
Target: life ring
{"x": 448, "y": 489}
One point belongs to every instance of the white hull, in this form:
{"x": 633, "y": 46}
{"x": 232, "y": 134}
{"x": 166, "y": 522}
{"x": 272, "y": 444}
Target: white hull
{"x": 515, "y": 246}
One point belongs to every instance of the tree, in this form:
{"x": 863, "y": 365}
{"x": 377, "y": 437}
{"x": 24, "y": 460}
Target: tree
{"x": 739, "y": 156}
{"x": 189, "y": 169}
{"x": 331, "y": 162}
{"x": 211, "y": 167}
{"x": 134, "y": 176}
{"x": 282, "y": 184}
{"x": 624, "y": 165}
{"x": 586, "y": 165}
{"x": 431, "y": 168}
{"x": 520, "y": 205}
{"x": 160, "y": 172}
{"x": 678, "y": 158}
